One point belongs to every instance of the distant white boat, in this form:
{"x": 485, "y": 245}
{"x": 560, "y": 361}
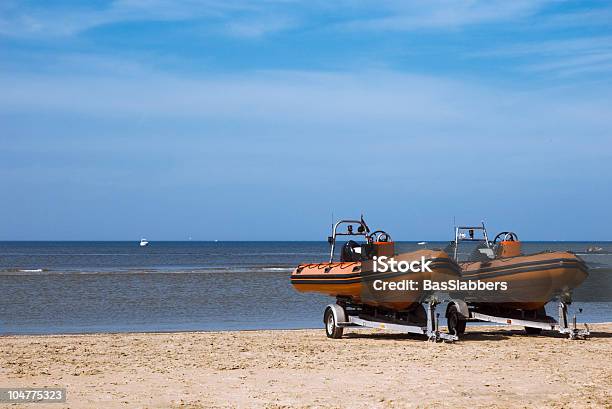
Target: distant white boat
{"x": 422, "y": 243}
{"x": 144, "y": 242}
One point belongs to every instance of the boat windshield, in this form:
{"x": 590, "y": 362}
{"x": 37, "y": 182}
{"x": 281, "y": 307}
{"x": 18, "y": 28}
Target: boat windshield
{"x": 471, "y": 244}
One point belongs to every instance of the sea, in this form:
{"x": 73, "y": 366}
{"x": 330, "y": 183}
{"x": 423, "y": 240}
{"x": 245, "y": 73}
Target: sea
{"x": 91, "y": 287}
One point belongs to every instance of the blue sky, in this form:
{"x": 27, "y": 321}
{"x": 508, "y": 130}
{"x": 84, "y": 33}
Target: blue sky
{"x": 255, "y": 120}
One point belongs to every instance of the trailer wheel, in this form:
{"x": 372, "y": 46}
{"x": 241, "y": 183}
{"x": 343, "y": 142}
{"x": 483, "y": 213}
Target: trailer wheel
{"x": 418, "y": 315}
{"x": 533, "y": 331}
{"x": 331, "y": 329}
{"x": 456, "y": 323}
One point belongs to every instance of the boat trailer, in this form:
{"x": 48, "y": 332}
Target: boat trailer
{"x": 470, "y": 313}
{"x": 342, "y": 315}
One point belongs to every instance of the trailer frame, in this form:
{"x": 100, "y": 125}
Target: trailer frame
{"x": 470, "y": 313}
{"x": 350, "y": 315}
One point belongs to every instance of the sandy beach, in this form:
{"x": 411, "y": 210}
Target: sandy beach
{"x": 302, "y": 368}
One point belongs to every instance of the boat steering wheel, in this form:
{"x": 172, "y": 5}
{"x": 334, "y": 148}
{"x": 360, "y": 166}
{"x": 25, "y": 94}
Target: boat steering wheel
{"x": 380, "y": 236}
{"x": 505, "y": 236}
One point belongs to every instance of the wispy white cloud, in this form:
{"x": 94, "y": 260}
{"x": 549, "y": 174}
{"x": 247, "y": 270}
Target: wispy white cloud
{"x": 565, "y": 57}
{"x": 444, "y": 14}
{"x": 550, "y": 47}
{"x": 591, "y": 16}
{"x": 574, "y": 65}
{"x": 247, "y": 18}
{"x": 18, "y": 20}
{"x": 254, "y": 28}
{"x": 370, "y": 101}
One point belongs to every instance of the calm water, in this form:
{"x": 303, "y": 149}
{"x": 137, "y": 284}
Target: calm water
{"x": 64, "y": 287}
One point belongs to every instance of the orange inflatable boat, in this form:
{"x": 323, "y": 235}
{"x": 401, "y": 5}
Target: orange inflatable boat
{"x": 353, "y": 278}
{"x": 532, "y": 280}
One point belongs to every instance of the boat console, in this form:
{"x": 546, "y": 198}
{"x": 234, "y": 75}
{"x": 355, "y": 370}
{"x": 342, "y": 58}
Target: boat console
{"x": 506, "y": 244}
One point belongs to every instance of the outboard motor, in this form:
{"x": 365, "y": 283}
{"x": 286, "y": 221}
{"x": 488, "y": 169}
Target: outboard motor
{"x": 351, "y": 251}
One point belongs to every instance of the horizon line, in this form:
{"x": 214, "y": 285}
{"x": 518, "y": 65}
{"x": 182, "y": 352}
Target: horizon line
{"x": 269, "y": 241}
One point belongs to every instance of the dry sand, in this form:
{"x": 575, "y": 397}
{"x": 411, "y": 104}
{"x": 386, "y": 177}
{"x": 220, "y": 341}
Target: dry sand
{"x": 276, "y": 369}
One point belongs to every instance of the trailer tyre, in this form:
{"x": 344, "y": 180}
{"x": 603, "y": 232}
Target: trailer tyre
{"x": 533, "y": 331}
{"x": 456, "y": 322}
{"x": 418, "y": 315}
{"x": 331, "y": 328}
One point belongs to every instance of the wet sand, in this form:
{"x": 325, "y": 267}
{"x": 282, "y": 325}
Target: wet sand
{"x": 490, "y": 367}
